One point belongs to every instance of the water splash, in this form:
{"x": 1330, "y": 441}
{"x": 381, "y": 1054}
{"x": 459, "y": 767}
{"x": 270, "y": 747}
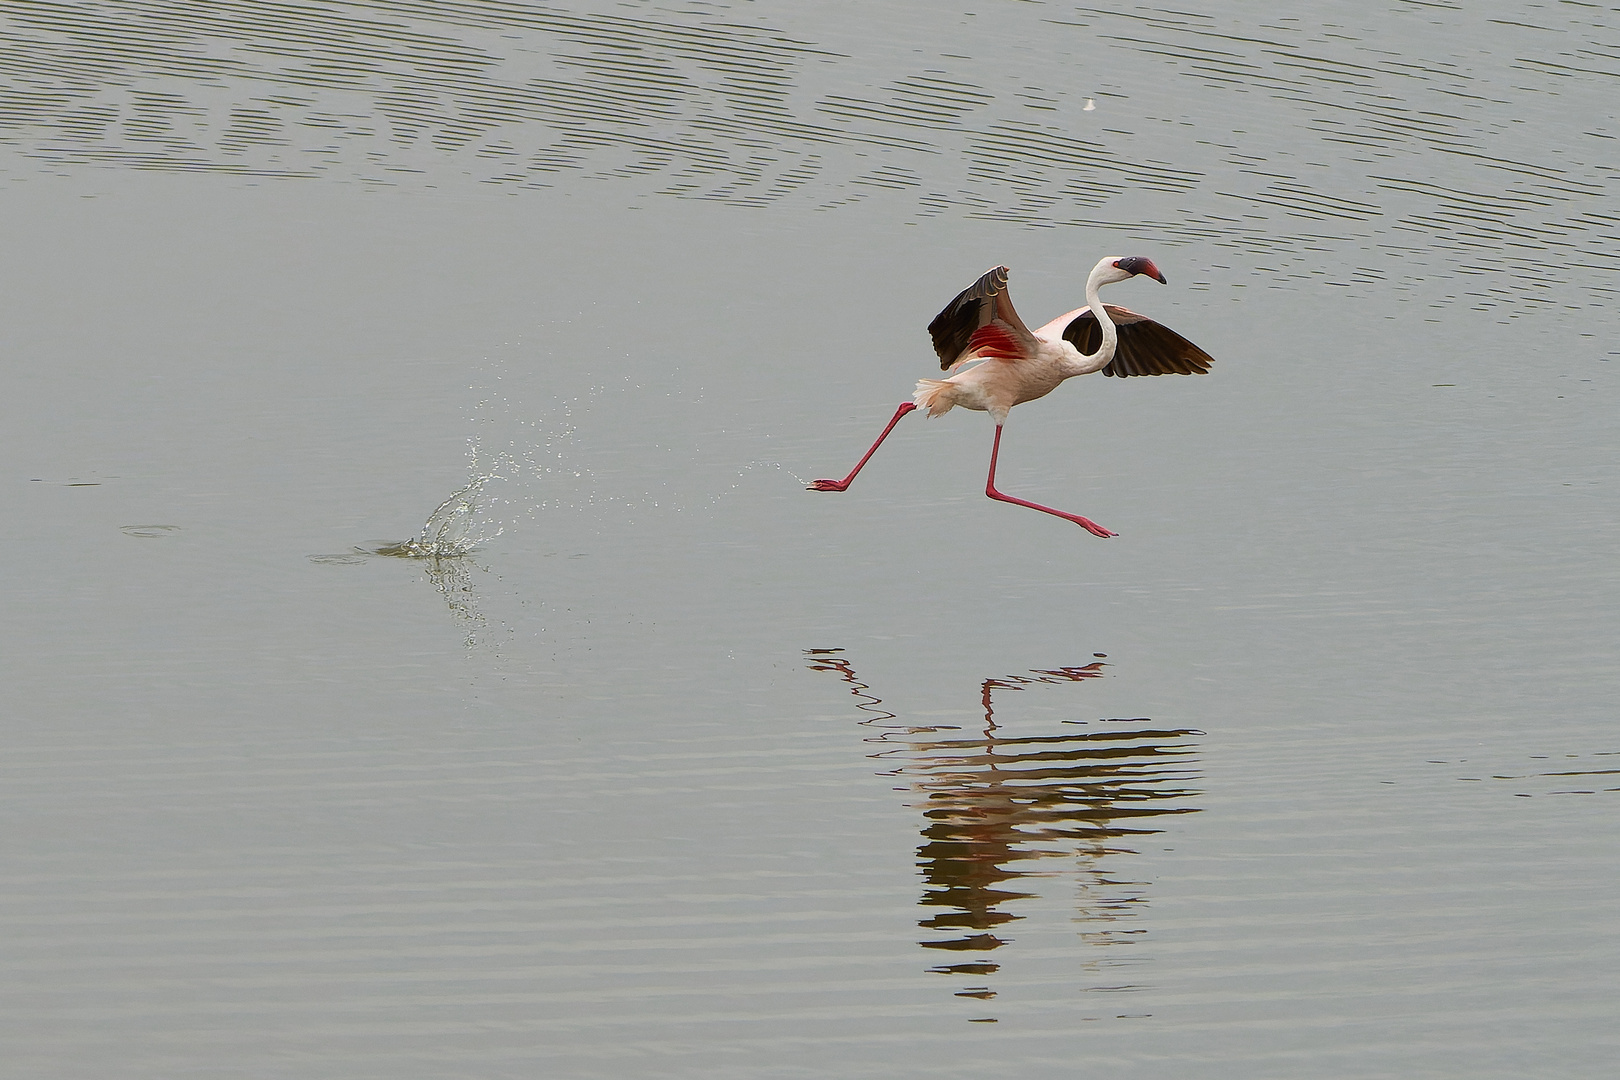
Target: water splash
{"x": 716, "y": 497}
{"x": 452, "y": 533}
{"x": 457, "y": 527}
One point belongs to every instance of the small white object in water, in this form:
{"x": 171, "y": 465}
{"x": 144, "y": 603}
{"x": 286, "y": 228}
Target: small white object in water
{"x": 1088, "y": 106}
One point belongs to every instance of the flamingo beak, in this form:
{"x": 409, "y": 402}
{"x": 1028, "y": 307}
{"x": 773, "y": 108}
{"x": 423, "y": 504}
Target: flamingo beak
{"x": 1138, "y": 264}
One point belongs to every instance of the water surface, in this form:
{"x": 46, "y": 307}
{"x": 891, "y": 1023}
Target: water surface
{"x": 684, "y": 770}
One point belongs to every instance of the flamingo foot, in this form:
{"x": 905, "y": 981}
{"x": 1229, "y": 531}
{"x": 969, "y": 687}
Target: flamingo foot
{"x": 1092, "y": 527}
{"x": 827, "y": 485}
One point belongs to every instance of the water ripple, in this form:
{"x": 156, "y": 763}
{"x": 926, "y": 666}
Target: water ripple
{"x": 1424, "y": 136}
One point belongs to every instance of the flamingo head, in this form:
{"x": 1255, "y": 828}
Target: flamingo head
{"x": 1131, "y": 265}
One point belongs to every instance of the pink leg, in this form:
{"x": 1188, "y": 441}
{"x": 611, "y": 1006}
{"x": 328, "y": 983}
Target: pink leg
{"x": 841, "y": 485}
{"x": 990, "y": 490}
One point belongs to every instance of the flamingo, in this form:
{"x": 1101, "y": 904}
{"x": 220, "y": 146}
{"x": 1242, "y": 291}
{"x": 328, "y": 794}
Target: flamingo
{"x": 997, "y": 362}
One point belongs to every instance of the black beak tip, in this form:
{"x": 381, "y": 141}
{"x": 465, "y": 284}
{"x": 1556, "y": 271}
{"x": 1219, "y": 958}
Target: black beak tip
{"x": 1138, "y": 264}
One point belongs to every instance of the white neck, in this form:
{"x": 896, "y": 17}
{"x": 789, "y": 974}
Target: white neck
{"x": 1101, "y": 274}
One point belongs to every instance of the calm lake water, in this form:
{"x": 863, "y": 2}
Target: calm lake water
{"x": 684, "y": 771}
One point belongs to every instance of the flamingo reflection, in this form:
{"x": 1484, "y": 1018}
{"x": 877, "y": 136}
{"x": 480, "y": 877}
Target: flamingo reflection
{"x": 998, "y": 807}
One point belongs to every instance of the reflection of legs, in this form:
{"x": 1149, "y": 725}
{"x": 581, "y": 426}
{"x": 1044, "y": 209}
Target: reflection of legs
{"x": 840, "y": 485}
{"x": 990, "y": 490}
{"x": 866, "y": 701}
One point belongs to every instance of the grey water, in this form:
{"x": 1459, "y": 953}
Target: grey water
{"x": 641, "y": 760}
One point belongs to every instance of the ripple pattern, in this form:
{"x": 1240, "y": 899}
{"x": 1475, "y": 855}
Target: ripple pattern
{"x": 1429, "y": 143}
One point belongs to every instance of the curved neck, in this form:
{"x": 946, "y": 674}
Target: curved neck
{"x": 1110, "y": 336}
{"x": 1088, "y": 362}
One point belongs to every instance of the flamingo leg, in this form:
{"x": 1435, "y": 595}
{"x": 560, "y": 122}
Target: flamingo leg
{"x": 841, "y": 485}
{"x": 990, "y": 490}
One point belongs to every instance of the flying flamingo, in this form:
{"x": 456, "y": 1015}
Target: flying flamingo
{"x": 1017, "y": 365}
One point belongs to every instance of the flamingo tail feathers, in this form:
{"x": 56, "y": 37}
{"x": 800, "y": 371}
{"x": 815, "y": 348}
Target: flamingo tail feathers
{"x": 936, "y": 395}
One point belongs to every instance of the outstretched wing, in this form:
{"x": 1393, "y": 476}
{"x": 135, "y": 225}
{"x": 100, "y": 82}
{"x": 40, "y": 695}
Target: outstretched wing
{"x": 1145, "y": 347}
{"x": 981, "y": 322}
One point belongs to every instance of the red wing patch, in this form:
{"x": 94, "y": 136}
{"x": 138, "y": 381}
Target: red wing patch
{"x": 996, "y": 342}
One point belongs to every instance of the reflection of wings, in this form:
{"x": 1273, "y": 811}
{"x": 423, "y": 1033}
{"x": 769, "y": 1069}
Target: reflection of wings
{"x": 981, "y": 322}
{"x": 995, "y": 805}
{"x": 1145, "y": 347}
